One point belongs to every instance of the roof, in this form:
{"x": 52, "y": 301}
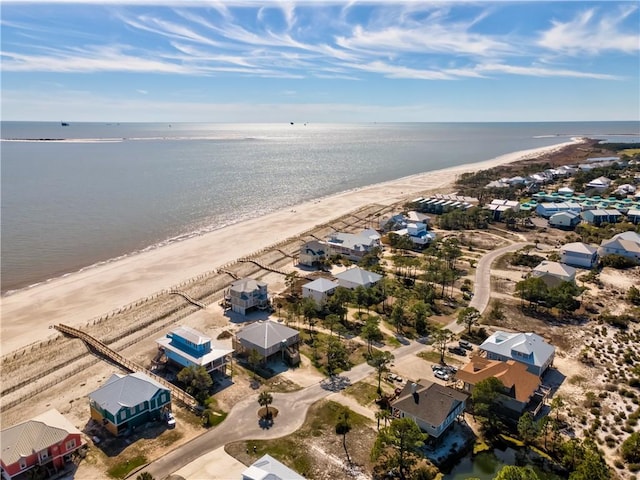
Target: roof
{"x": 246, "y": 285}
{"x": 617, "y": 243}
{"x": 579, "y": 247}
{"x": 213, "y": 354}
{"x": 268, "y": 468}
{"x": 34, "y": 435}
{"x": 630, "y": 236}
{"x": 359, "y": 276}
{"x": 431, "y": 402}
{"x": 191, "y": 334}
{"x": 321, "y": 285}
{"x": 512, "y": 374}
{"x": 554, "y": 268}
{"x": 266, "y": 334}
{"x": 567, "y": 213}
{"x": 125, "y": 391}
{"x": 355, "y": 241}
{"x": 503, "y": 343}
{"x": 316, "y": 246}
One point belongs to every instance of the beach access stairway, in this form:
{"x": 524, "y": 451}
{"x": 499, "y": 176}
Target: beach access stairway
{"x": 188, "y": 298}
{"x": 262, "y": 266}
{"x": 99, "y": 347}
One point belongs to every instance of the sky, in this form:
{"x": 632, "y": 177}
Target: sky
{"x": 319, "y": 61}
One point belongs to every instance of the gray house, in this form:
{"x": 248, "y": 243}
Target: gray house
{"x": 357, "y": 277}
{"x": 269, "y": 339}
{"x": 527, "y": 348}
{"x": 247, "y": 293}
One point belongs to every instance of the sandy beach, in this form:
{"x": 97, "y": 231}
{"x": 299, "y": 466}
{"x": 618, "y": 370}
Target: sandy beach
{"x": 26, "y": 315}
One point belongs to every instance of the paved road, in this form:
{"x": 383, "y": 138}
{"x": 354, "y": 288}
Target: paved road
{"x": 482, "y": 287}
{"x": 242, "y": 421}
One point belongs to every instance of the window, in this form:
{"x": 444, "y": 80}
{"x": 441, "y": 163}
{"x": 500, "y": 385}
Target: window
{"x": 122, "y": 415}
{"x": 44, "y": 454}
{"x": 70, "y": 445}
{"x": 23, "y": 463}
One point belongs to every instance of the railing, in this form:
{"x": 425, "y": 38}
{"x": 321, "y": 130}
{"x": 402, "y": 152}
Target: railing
{"x": 188, "y": 298}
{"x": 115, "y": 357}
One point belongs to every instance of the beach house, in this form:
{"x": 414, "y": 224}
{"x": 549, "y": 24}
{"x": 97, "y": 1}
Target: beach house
{"x": 599, "y": 216}
{"x": 432, "y": 406}
{"x": 521, "y": 386}
{"x": 268, "y": 468}
{"x": 599, "y": 184}
{"x": 355, "y": 277}
{"x": 579, "y": 254}
{"x": 46, "y": 442}
{"x": 353, "y": 246}
{"x": 498, "y": 206}
{"x": 186, "y": 347}
{"x": 554, "y": 273}
{"x": 626, "y": 244}
{"x": 247, "y": 293}
{"x": 565, "y": 220}
{"x": 547, "y": 209}
{"x": 127, "y": 401}
{"x": 633, "y": 215}
{"x": 527, "y": 348}
{"x": 417, "y": 232}
{"x": 312, "y": 253}
{"x": 319, "y": 289}
{"x": 270, "y": 339}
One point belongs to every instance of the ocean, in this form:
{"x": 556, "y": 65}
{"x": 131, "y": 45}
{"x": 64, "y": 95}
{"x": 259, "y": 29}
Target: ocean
{"x": 77, "y": 195}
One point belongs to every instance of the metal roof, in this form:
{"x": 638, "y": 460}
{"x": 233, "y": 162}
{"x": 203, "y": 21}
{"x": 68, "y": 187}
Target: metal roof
{"x": 266, "y": 334}
{"x": 503, "y": 343}
{"x": 125, "y": 391}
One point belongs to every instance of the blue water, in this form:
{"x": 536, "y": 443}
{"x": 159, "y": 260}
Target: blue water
{"x": 100, "y": 191}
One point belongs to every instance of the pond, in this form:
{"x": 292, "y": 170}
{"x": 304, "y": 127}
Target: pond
{"x": 486, "y": 465}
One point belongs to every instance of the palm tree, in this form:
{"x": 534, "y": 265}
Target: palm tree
{"x": 145, "y": 476}
{"x": 343, "y": 426}
{"x": 265, "y": 399}
{"x": 383, "y": 414}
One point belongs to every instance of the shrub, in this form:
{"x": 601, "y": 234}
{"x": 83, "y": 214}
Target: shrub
{"x": 617, "y": 261}
{"x": 630, "y": 448}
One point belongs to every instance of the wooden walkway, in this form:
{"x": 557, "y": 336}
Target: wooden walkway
{"x": 188, "y": 298}
{"x": 263, "y": 266}
{"x": 104, "y": 351}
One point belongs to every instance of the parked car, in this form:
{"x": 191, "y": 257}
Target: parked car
{"x": 171, "y": 421}
{"x": 441, "y": 375}
{"x": 466, "y": 345}
{"x": 436, "y": 366}
{"x": 458, "y": 351}
{"x": 451, "y": 369}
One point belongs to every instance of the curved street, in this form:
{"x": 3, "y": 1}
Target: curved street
{"x": 242, "y": 421}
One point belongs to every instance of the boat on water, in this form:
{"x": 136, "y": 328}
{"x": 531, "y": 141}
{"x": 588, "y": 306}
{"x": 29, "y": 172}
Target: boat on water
{"x": 64, "y": 124}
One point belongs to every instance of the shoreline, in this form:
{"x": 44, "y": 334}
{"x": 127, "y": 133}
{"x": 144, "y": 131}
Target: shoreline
{"x": 76, "y": 297}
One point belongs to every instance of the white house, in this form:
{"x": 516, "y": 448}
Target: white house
{"x": 355, "y": 277}
{"x": 599, "y": 216}
{"x": 527, "y": 348}
{"x": 417, "y": 233}
{"x": 499, "y": 206}
{"x": 313, "y": 252}
{"x": 626, "y": 244}
{"x": 319, "y": 289}
{"x": 579, "y": 254}
{"x": 633, "y": 215}
{"x": 353, "y": 246}
{"x": 564, "y": 219}
{"x": 553, "y": 273}
{"x": 565, "y": 191}
{"x": 600, "y": 183}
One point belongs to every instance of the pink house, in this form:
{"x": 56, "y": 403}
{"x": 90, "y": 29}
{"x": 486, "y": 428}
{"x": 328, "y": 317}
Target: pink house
{"x": 47, "y": 440}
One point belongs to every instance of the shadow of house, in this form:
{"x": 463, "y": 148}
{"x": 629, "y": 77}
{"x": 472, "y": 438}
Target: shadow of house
{"x": 270, "y": 340}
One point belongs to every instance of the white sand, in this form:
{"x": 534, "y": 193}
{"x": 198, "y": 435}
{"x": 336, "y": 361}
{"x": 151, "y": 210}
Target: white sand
{"x": 81, "y": 296}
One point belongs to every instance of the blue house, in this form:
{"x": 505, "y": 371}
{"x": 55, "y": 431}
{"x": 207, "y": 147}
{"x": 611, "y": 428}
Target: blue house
{"x": 547, "y": 209}
{"x": 633, "y": 215}
{"x": 599, "y": 216}
{"x": 187, "y": 347}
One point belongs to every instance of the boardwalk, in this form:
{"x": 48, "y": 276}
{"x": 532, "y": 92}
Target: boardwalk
{"x": 100, "y": 348}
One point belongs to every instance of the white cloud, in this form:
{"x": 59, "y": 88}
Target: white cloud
{"x": 534, "y": 71}
{"x": 593, "y": 35}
